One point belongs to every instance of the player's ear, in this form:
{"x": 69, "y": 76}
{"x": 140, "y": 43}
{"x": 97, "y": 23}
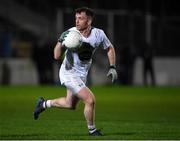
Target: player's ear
{"x": 89, "y": 20}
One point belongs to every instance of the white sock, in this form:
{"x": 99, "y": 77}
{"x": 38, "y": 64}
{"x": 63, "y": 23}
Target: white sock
{"x": 47, "y": 104}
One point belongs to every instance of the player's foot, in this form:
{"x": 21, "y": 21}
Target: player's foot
{"x": 96, "y": 133}
{"x": 39, "y": 108}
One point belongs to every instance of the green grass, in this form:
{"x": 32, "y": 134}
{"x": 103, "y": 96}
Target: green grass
{"x": 123, "y": 113}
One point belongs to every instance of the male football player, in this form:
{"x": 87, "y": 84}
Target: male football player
{"x": 75, "y": 66}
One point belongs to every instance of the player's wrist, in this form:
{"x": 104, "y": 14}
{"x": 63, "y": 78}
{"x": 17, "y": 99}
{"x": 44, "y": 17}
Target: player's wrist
{"x": 112, "y": 66}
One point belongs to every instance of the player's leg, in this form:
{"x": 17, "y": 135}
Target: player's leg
{"x": 68, "y": 102}
{"x": 89, "y": 100}
{"x": 89, "y": 110}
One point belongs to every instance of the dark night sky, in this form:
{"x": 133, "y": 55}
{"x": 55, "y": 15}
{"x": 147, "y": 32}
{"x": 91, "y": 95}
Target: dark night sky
{"x": 156, "y": 7}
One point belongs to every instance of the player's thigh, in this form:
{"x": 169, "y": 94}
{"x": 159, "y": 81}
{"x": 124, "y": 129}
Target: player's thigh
{"x": 74, "y": 83}
{"x": 71, "y": 98}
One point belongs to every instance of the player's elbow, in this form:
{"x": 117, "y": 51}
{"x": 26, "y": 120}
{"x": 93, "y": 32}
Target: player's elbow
{"x": 111, "y": 49}
{"x": 57, "y": 51}
{"x": 56, "y": 57}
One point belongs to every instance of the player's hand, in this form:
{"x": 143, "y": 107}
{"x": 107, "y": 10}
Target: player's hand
{"x": 113, "y": 73}
{"x": 63, "y": 36}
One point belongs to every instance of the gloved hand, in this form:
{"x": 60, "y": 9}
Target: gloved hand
{"x": 113, "y": 73}
{"x": 63, "y": 36}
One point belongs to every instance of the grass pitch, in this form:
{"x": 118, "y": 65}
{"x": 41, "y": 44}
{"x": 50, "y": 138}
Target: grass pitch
{"x": 134, "y": 113}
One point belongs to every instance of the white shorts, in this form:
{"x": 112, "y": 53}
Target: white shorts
{"x": 72, "y": 79}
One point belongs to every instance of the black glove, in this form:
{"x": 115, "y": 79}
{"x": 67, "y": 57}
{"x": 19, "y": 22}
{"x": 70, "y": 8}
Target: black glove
{"x": 113, "y": 73}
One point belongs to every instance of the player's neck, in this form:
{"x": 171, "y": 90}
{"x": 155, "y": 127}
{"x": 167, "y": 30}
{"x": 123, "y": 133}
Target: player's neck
{"x": 86, "y": 32}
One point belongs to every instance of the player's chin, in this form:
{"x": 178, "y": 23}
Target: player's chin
{"x": 78, "y": 27}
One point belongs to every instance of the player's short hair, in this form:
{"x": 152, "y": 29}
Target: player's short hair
{"x": 89, "y": 12}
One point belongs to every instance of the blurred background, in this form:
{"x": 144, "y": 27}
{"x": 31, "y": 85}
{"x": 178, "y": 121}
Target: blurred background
{"x": 145, "y": 34}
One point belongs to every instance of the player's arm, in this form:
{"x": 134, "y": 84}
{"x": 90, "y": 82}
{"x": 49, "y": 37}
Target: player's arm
{"x": 59, "y": 46}
{"x": 111, "y": 56}
{"x": 112, "y": 61}
{"x": 58, "y": 50}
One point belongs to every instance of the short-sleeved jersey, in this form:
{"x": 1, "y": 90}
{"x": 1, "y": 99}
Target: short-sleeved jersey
{"x": 80, "y": 59}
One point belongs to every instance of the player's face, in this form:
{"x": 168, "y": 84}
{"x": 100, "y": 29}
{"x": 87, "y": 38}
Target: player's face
{"x": 82, "y": 21}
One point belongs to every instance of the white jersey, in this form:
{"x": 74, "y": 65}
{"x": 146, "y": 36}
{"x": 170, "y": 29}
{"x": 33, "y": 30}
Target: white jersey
{"x": 80, "y": 60}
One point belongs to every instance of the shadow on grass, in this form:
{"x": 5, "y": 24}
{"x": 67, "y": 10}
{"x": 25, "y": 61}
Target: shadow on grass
{"x": 33, "y": 136}
{"x": 107, "y": 134}
{"x": 120, "y": 133}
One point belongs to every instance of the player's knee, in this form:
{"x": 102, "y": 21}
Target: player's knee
{"x": 72, "y": 107}
{"x": 91, "y": 101}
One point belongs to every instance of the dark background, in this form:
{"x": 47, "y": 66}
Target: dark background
{"x": 20, "y": 38}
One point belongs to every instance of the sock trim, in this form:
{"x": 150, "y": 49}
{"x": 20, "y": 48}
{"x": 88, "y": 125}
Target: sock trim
{"x": 91, "y": 126}
{"x": 48, "y": 104}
